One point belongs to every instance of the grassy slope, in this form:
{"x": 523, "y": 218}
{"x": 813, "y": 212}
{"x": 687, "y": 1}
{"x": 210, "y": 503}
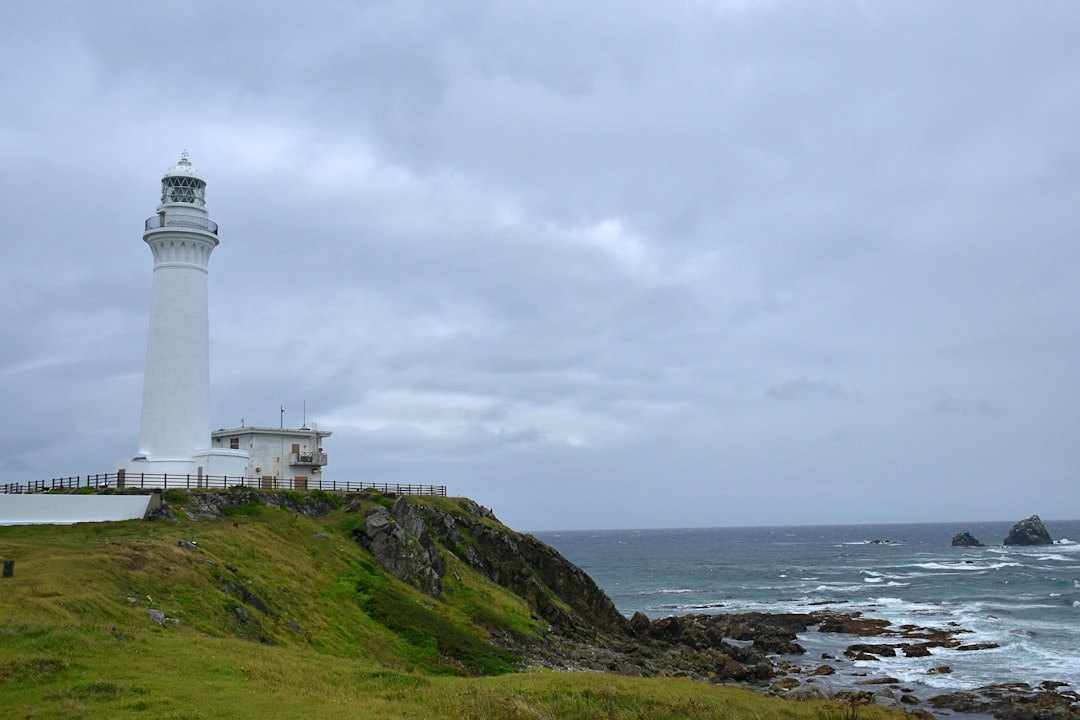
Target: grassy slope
{"x": 76, "y": 640}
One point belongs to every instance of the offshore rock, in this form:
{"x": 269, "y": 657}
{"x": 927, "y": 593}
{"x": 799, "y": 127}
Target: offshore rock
{"x": 965, "y": 539}
{"x": 1029, "y": 532}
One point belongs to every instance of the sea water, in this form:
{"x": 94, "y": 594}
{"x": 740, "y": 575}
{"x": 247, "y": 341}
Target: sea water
{"x": 1024, "y": 599}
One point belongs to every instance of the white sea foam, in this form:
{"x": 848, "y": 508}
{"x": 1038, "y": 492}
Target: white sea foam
{"x": 966, "y": 566}
{"x": 838, "y": 588}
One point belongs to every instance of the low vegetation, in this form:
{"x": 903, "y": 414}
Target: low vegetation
{"x": 268, "y": 613}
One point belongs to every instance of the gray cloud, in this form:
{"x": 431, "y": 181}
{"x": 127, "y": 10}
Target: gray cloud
{"x": 553, "y": 250}
{"x": 958, "y": 406}
{"x": 805, "y": 389}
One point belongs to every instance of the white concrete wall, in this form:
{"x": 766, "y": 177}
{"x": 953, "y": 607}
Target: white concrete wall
{"x": 269, "y": 451}
{"x": 40, "y": 509}
{"x": 218, "y": 461}
{"x": 176, "y": 385}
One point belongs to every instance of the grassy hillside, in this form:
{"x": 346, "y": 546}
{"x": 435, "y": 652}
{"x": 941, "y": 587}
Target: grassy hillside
{"x": 272, "y": 614}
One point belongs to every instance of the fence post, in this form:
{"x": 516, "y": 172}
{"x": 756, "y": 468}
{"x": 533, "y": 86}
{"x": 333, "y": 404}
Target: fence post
{"x": 9, "y": 568}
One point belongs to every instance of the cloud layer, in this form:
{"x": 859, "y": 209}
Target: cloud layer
{"x": 614, "y": 265}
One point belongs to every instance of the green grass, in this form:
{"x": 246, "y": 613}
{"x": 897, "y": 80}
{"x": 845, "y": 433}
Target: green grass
{"x": 336, "y": 637}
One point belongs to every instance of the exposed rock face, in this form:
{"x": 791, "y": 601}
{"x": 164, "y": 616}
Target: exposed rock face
{"x": 965, "y": 539}
{"x": 410, "y": 556}
{"x": 1029, "y": 532}
{"x": 556, "y": 589}
{"x": 203, "y": 505}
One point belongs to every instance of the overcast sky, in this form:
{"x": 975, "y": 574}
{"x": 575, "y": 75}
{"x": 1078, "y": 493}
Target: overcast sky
{"x": 592, "y": 264}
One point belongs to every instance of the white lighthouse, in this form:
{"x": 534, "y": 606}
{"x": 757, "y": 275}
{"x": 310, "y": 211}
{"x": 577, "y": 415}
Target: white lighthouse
{"x": 174, "y": 435}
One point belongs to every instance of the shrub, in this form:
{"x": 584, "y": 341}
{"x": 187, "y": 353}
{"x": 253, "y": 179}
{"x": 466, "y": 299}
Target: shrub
{"x": 333, "y": 500}
{"x": 439, "y": 643}
{"x": 175, "y": 496}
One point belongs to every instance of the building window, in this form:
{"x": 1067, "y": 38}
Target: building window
{"x": 234, "y": 443}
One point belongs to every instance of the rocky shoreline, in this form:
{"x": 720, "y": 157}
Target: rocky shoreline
{"x": 761, "y": 652}
{"x": 586, "y": 632}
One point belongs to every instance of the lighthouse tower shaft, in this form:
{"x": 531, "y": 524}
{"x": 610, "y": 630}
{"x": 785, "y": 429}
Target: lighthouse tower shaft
{"x": 176, "y": 386}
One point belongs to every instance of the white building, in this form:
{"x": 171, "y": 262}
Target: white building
{"x": 280, "y": 457}
{"x": 174, "y": 434}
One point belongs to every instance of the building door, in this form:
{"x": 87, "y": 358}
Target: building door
{"x": 300, "y": 482}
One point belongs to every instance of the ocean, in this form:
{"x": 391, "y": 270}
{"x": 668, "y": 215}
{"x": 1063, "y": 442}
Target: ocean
{"x": 1024, "y": 599}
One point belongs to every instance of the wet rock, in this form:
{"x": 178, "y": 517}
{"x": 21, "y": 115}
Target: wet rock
{"x": 1029, "y": 532}
{"x": 1013, "y": 701}
{"x": 921, "y": 650}
{"x": 977, "y": 646}
{"x": 864, "y": 649}
{"x": 852, "y": 624}
{"x": 823, "y": 670}
{"x": 778, "y": 641}
{"x": 965, "y": 539}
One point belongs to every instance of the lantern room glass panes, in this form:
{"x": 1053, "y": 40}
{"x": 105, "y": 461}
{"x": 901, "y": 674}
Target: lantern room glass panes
{"x": 183, "y": 190}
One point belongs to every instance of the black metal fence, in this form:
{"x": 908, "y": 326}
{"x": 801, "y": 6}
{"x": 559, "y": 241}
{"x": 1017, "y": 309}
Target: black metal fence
{"x": 130, "y": 481}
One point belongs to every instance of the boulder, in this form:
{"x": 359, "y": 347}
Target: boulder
{"x": 807, "y": 692}
{"x": 1029, "y": 532}
{"x": 640, "y": 622}
{"x": 965, "y": 539}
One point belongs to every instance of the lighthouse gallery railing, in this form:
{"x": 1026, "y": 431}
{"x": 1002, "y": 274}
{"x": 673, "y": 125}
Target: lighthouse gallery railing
{"x": 192, "y": 221}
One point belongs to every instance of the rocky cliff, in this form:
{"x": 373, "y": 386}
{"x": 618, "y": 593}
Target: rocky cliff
{"x": 487, "y": 599}
{"x": 412, "y": 536}
{"x": 408, "y": 538}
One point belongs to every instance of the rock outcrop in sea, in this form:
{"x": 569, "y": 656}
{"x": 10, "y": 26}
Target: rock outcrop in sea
{"x": 965, "y": 539}
{"x": 1029, "y": 532}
